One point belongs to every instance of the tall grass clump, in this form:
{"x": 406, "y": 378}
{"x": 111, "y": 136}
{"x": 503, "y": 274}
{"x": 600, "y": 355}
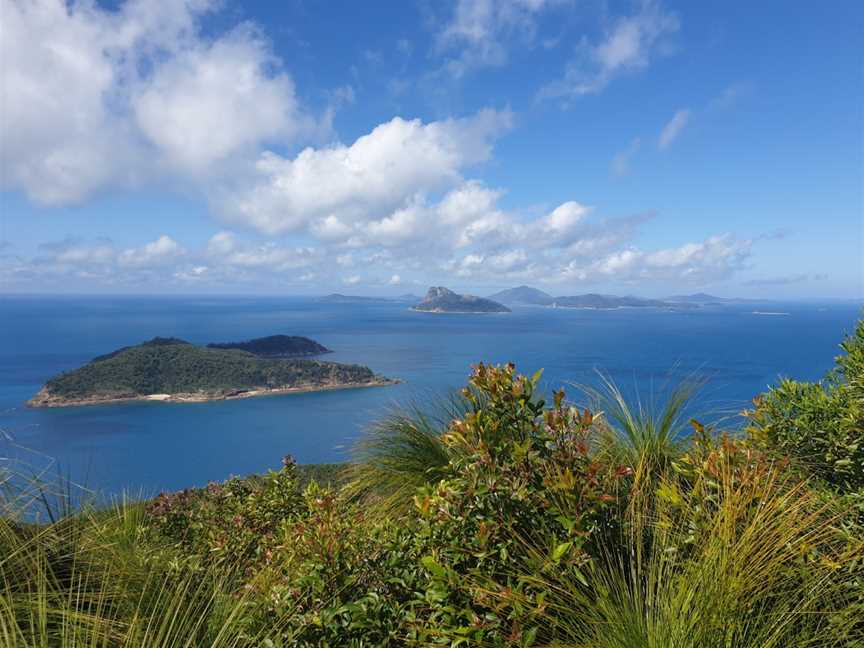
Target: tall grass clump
{"x": 644, "y": 435}
{"x": 404, "y": 451}
{"x": 93, "y": 580}
{"x": 736, "y": 552}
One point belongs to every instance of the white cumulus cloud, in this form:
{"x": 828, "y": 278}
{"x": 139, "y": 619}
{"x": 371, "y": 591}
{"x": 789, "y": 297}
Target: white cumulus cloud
{"x": 95, "y": 98}
{"x": 162, "y": 250}
{"x": 330, "y": 189}
{"x": 211, "y": 101}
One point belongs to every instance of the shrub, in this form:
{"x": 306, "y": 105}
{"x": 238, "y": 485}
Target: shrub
{"x": 229, "y": 523}
{"x": 820, "y": 425}
{"x": 517, "y": 470}
{"x": 737, "y": 551}
{"x": 100, "y": 579}
{"x": 343, "y": 579}
{"x": 401, "y": 453}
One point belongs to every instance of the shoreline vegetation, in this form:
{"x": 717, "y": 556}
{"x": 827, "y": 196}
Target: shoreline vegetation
{"x": 174, "y": 371}
{"x": 45, "y": 399}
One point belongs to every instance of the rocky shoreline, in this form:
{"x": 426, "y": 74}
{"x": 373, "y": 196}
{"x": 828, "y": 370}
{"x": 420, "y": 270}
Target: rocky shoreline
{"x": 45, "y": 399}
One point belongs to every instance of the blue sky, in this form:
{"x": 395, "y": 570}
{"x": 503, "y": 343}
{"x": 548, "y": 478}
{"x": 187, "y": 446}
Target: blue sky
{"x": 307, "y": 147}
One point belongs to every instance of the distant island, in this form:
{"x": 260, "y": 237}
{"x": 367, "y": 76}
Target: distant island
{"x": 527, "y": 295}
{"x": 523, "y": 295}
{"x": 608, "y": 302}
{"x": 704, "y": 299}
{"x": 443, "y": 300}
{"x": 276, "y": 346}
{"x": 173, "y": 370}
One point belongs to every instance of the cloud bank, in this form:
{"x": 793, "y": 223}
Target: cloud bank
{"x": 140, "y": 97}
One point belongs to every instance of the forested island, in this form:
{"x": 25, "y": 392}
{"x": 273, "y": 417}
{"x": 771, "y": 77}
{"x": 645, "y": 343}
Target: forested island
{"x": 170, "y": 369}
{"x": 276, "y": 346}
{"x": 443, "y": 300}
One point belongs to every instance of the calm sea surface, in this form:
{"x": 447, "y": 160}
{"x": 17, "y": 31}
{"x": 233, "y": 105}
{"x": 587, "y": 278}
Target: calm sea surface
{"x": 155, "y": 446}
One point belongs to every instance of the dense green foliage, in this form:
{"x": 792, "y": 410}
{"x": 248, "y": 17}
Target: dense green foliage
{"x": 168, "y": 366}
{"x": 154, "y": 342}
{"x": 275, "y": 346}
{"x": 505, "y": 520}
{"x": 327, "y": 475}
{"x": 820, "y": 424}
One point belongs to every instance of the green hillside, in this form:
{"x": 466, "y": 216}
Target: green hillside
{"x": 276, "y": 346}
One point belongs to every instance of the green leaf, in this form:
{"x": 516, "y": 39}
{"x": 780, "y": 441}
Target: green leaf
{"x": 560, "y": 550}
{"x": 433, "y": 567}
{"x": 579, "y": 576}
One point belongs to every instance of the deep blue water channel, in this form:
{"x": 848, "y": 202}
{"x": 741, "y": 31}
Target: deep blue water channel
{"x": 147, "y": 447}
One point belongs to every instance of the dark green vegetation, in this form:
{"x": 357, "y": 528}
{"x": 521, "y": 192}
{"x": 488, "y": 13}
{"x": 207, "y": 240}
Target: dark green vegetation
{"x": 442, "y": 300}
{"x": 155, "y": 342}
{"x": 330, "y": 474}
{"x": 500, "y": 519}
{"x": 276, "y": 346}
{"x": 174, "y": 367}
{"x": 532, "y": 296}
{"x": 820, "y": 425}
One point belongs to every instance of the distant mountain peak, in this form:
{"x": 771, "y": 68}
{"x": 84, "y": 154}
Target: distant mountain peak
{"x": 443, "y": 300}
{"x": 439, "y": 292}
{"x": 523, "y": 295}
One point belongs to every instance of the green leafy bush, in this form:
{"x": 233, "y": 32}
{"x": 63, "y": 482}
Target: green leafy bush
{"x": 229, "y": 523}
{"x": 820, "y": 425}
{"x": 735, "y": 551}
{"x": 343, "y": 579}
{"x": 518, "y": 470}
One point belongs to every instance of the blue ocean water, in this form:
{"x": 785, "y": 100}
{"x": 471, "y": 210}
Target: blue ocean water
{"x": 148, "y": 447}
